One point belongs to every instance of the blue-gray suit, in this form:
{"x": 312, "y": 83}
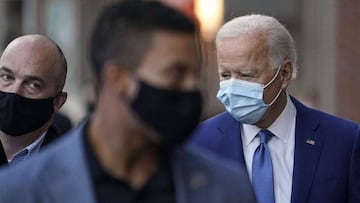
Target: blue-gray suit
{"x": 60, "y": 174}
{"x": 327, "y": 170}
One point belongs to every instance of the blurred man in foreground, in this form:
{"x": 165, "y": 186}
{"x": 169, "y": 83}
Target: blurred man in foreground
{"x": 129, "y": 150}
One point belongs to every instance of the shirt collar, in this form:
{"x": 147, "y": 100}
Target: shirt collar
{"x": 32, "y": 148}
{"x": 279, "y": 127}
{"x": 35, "y": 146}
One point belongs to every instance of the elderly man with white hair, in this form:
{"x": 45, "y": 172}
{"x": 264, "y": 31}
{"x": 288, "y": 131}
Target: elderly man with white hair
{"x": 292, "y": 153}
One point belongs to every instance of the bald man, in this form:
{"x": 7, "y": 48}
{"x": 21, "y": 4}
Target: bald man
{"x": 32, "y": 76}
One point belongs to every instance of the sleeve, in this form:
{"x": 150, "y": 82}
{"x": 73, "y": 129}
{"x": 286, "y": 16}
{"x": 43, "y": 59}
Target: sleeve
{"x": 354, "y": 188}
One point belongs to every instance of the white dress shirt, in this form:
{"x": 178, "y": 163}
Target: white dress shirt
{"x": 281, "y": 146}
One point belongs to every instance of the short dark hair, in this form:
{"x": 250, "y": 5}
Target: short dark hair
{"x": 123, "y": 31}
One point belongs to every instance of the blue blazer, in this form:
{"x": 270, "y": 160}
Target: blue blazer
{"x": 60, "y": 174}
{"x": 328, "y": 171}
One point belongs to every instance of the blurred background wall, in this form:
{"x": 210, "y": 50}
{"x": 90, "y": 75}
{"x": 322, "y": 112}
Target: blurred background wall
{"x": 326, "y": 33}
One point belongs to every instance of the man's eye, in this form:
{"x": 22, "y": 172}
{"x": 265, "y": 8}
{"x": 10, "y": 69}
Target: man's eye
{"x": 225, "y": 75}
{"x": 245, "y": 75}
{"x": 34, "y": 85}
{"x": 6, "y": 77}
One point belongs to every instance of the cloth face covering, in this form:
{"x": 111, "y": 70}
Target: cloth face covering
{"x": 20, "y": 115}
{"x": 173, "y": 114}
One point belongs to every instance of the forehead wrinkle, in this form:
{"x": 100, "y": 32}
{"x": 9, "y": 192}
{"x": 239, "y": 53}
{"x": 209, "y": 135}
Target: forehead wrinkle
{"x": 247, "y": 53}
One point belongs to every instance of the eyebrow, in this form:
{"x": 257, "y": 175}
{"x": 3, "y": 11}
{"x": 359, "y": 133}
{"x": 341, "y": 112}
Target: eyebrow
{"x": 27, "y": 77}
{"x": 34, "y": 78}
{"x": 6, "y": 69}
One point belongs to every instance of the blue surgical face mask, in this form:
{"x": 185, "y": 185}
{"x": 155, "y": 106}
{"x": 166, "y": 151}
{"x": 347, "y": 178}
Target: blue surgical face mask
{"x": 244, "y": 99}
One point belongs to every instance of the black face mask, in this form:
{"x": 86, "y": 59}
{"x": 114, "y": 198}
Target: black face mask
{"x": 20, "y": 115}
{"x": 173, "y": 114}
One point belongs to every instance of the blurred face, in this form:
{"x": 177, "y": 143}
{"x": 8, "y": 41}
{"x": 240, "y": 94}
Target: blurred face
{"x": 172, "y": 62}
{"x": 247, "y": 58}
{"x": 168, "y": 96}
{"x": 28, "y": 69}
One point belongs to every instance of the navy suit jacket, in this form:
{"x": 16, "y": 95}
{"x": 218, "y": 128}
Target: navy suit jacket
{"x": 328, "y": 171}
{"x": 60, "y": 173}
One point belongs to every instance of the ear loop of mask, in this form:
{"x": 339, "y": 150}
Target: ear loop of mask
{"x": 272, "y": 80}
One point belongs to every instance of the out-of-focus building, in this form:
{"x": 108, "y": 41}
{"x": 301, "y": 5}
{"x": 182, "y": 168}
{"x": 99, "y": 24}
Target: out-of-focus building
{"x": 326, "y": 33}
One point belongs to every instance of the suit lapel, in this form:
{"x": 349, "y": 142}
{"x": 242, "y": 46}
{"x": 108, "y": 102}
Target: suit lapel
{"x": 67, "y": 176}
{"x": 51, "y": 135}
{"x": 308, "y": 146}
{"x": 230, "y": 134}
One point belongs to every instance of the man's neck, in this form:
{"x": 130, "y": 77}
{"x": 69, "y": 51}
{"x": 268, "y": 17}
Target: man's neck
{"x": 274, "y": 111}
{"x": 13, "y": 144}
{"x": 121, "y": 150}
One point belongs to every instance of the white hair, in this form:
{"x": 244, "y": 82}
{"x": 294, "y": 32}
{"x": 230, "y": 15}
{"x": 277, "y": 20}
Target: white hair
{"x": 281, "y": 45}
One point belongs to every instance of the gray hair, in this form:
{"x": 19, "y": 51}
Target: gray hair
{"x": 281, "y": 45}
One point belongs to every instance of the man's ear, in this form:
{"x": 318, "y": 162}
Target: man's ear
{"x": 286, "y": 73}
{"x": 115, "y": 79}
{"x": 59, "y": 101}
